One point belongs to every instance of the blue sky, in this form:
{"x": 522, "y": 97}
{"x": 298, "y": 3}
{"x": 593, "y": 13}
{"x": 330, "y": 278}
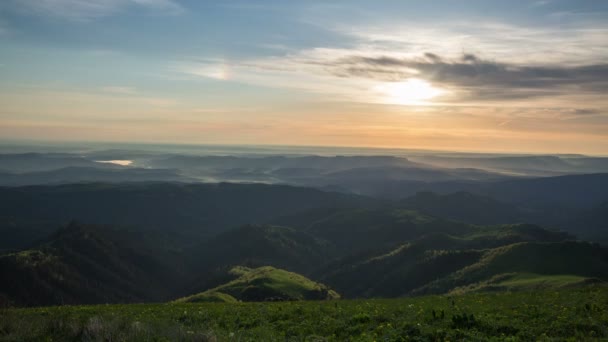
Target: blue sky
{"x": 525, "y": 76}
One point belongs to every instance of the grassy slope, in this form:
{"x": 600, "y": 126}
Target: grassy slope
{"x": 252, "y": 246}
{"x": 264, "y": 283}
{"x": 547, "y": 259}
{"x": 570, "y": 314}
{"x": 396, "y": 272}
{"x": 529, "y": 281}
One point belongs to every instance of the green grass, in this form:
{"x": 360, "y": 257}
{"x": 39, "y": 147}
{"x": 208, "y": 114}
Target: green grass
{"x": 525, "y": 282}
{"x": 264, "y": 282}
{"x": 531, "y": 281}
{"x": 579, "y": 314}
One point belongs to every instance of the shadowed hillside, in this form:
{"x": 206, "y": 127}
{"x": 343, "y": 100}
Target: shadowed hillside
{"x": 85, "y": 264}
{"x": 193, "y": 209}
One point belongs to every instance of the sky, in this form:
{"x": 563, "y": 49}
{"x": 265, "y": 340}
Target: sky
{"x": 478, "y": 75}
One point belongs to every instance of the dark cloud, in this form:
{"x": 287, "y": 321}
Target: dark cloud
{"x": 433, "y": 57}
{"x": 467, "y": 57}
{"x": 481, "y": 78}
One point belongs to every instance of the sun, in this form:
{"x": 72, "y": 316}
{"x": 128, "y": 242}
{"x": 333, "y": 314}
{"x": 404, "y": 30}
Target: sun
{"x": 411, "y": 92}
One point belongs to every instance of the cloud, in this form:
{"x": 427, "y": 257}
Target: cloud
{"x": 468, "y": 79}
{"x": 578, "y": 40}
{"x": 482, "y": 78}
{"x": 85, "y": 10}
{"x": 474, "y": 62}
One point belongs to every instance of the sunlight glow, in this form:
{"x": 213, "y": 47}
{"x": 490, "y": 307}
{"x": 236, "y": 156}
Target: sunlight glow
{"x": 411, "y": 92}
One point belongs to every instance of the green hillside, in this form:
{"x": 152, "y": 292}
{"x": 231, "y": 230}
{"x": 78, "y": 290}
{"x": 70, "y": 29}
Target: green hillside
{"x": 579, "y": 314}
{"x": 570, "y": 258}
{"x": 264, "y": 284}
{"x": 399, "y": 270}
{"x": 254, "y": 246}
{"x": 527, "y": 282}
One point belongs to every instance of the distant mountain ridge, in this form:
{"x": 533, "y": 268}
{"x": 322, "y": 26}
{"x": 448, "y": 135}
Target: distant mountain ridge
{"x": 194, "y": 209}
{"x": 78, "y": 174}
{"x": 467, "y": 207}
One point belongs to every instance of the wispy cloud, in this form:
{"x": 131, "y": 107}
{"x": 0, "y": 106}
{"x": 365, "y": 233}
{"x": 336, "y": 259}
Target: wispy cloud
{"x": 121, "y": 90}
{"x": 84, "y": 10}
{"x": 578, "y": 42}
{"x": 356, "y": 77}
{"x": 477, "y": 61}
{"x": 279, "y": 72}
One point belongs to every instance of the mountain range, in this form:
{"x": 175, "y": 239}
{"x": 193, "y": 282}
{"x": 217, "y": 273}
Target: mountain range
{"x": 140, "y": 226}
{"x": 351, "y": 245}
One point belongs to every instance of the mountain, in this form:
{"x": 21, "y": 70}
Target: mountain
{"x": 264, "y": 284}
{"x": 353, "y": 229}
{"x": 82, "y": 264}
{"x": 570, "y": 191}
{"x": 37, "y": 162}
{"x": 467, "y": 207}
{"x": 373, "y": 174}
{"x": 575, "y": 191}
{"x": 593, "y": 222}
{"x": 309, "y": 170}
{"x": 325, "y": 163}
{"x": 556, "y": 258}
{"x": 564, "y": 202}
{"x": 315, "y": 171}
{"x": 399, "y": 270}
{"x": 93, "y": 264}
{"x": 195, "y": 209}
{"x": 255, "y": 246}
{"x": 73, "y": 174}
{"x": 539, "y": 165}
{"x": 170, "y": 240}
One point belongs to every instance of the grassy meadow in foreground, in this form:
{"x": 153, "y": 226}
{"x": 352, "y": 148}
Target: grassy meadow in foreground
{"x": 567, "y": 314}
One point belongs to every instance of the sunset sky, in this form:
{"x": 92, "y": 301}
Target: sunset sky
{"x": 503, "y": 76}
